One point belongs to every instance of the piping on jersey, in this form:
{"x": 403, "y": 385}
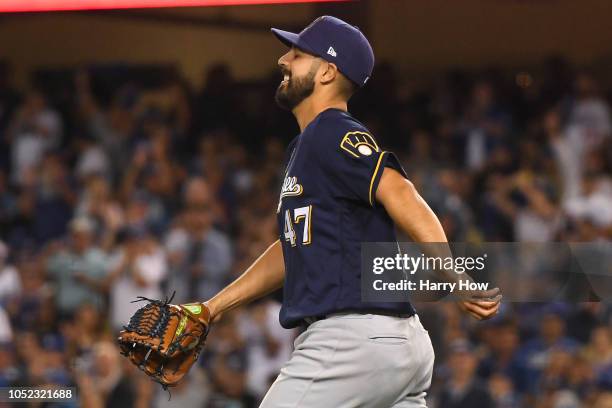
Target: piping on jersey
{"x": 374, "y": 177}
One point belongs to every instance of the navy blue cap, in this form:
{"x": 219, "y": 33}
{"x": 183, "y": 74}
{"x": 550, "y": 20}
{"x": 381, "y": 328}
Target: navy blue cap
{"x": 335, "y": 41}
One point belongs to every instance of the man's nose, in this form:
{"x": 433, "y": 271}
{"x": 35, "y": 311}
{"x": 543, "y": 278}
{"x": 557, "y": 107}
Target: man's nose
{"x": 283, "y": 61}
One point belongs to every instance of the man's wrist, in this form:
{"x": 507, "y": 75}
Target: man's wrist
{"x": 212, "y": 307}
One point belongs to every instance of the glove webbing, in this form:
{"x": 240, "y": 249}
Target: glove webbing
{"x": 151, "y": 320}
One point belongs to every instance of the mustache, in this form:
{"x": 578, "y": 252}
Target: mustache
{"x": 285, "y": 71}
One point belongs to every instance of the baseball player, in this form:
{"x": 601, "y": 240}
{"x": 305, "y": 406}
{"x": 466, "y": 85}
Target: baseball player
{"x": 340, "y": 189}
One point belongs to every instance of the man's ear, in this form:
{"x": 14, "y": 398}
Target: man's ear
{"x": 329, "y": 73}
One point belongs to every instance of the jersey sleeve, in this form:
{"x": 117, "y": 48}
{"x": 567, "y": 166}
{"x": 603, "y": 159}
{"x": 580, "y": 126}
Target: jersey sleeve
{"x": 354, "y": 162}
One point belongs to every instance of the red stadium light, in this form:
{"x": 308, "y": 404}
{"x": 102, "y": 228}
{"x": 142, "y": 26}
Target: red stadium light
{"x": 8, "y": 6}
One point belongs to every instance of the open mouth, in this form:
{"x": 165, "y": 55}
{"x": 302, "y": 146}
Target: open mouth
{"x": 286, "y": 78}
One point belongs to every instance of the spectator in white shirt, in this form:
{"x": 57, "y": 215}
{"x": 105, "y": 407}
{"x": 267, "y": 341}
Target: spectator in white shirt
{"x": 36, "y": 129}
{"x": 6, "y": 333}
{"x": 139, "y": 269}
{"x": 590, "y": 114}
{"x": 10, "y": 282}
{"x": 594, "y": 204}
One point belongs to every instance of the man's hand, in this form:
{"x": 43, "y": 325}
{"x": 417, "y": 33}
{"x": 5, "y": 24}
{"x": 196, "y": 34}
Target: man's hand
{"x": 481, "y": 305}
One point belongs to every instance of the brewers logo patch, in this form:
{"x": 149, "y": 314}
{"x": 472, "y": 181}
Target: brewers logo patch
{"x": 359, "y": 144}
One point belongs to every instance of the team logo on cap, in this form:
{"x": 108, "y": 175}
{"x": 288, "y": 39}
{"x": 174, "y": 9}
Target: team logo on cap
{"x": 359, "y": 144}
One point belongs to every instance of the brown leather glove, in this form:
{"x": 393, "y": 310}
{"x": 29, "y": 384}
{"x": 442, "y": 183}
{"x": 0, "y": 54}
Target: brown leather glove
{"x": 165, "y": 340}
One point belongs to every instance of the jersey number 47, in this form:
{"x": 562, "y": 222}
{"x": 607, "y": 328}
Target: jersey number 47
{"x": 299, "y": 214}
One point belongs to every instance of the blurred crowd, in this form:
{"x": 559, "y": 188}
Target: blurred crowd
{"x": 115, "y": 185}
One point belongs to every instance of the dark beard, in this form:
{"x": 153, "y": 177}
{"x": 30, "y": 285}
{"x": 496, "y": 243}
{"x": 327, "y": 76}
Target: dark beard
{"x": 296, "y": 90}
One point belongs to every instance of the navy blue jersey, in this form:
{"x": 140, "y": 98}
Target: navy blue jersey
{"x": 327, "y": 208}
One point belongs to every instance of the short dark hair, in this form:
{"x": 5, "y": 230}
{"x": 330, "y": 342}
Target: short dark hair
{"x": 347, "y": 87}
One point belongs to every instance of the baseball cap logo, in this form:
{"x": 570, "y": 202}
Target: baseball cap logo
{"x": 332, "y": 52}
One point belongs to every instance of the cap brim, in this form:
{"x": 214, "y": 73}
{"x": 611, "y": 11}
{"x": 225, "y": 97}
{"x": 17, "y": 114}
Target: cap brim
{"x": 286, "y": 37}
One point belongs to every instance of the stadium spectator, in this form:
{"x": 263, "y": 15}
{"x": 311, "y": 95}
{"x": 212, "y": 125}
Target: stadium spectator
{"x": 10, "y": 282}
{"x": 269, "y": 346}
{"x": 138, "y": 268}
{"x": 104, "y": 381}
{"x": 97, "y": 203}
{"x": 589, "y": 116}
{"x": 502, "y": 357}
{"x": 24, "y": 310}
{"x": 226, "y": 362}
{"x": 568, "y": 163}
{"x": 463, "y": 389}
{"x": 6, "y": 332}
{"x": 485, "y": 126}
{"x": 9, "y": 371}
{"x": 199, "y": 253}
{"x": 193, "y": 391}
{"x": 8, "y": 204}
{"x": 502, "y": 392}
{"x": 55, "y": 197}
{"x": 91, "y": 159}
{"x": 35, "y": 130}
{"x": 598, "y": 352}
{"x": 79, "y": 269}
{"x": 536, "y": 355}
